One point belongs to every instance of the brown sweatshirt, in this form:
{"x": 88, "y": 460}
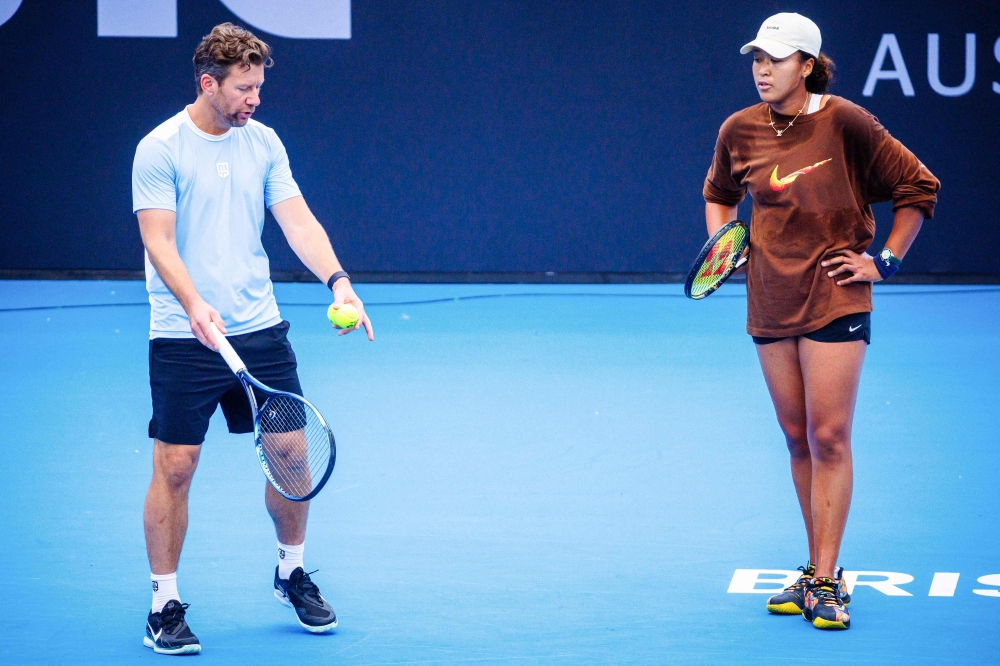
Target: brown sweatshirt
{"x": 812, "y": 191}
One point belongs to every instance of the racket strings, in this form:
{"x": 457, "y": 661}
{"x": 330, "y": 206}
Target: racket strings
{"x": 720, "y": 261}
{"x": 295, "y": 444}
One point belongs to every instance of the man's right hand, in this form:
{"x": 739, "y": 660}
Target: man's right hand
{"x": 201, "y": 314}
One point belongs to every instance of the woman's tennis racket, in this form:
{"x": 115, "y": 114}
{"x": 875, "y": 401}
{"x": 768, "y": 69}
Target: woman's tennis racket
{"x": 294, "y": 444}
{"x": 723, "y": 253}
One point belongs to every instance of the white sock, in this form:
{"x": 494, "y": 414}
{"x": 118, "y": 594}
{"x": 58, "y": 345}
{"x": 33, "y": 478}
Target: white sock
{"x": 289, "y": 557}
{"x": 164, "y": 589}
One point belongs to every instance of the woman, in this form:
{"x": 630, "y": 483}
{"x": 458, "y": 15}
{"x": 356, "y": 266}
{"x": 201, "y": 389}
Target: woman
{"x": 813, "y": 163}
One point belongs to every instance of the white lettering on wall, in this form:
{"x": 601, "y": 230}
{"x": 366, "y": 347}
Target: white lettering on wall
{"x": 933, "y": 66}
{"x": 746, "y": 581}
{"x": 301, "y": 19}
{"x": 991, "y": 579}
{"x": 996, "y": 54}
{"x": 127, "y": 18}
{"x": 888, "y": 47}
{"x": 943, "y": 584}
{"x": 7, "y": 9}
{"x": 298, "y": 19}
{"x": 887, "y": 584}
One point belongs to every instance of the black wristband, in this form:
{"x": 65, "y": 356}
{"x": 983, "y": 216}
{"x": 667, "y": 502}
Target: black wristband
{"x": 336, "y": 276}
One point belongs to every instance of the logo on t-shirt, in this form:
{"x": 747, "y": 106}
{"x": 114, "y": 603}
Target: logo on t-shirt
{"x": 778, "y": 184}
{"x": 223, "y": 168}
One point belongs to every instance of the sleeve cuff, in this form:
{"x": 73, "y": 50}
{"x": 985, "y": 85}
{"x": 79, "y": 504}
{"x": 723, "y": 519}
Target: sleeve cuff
{"x": 717, "y": 195}
{"x": 172, "y": 207}
{"x": 284, "y": 196}
{"x": 923, "y": 203}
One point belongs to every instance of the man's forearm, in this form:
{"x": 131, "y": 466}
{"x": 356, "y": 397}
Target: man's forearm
{"x": 171, "y": 269}
{"x": 306, "y": 237}
{"x": 158, "y": 236}
{"x": 158, "y": 230}
{"x": 313, "y": 247}
{"x": 161, "y": 247}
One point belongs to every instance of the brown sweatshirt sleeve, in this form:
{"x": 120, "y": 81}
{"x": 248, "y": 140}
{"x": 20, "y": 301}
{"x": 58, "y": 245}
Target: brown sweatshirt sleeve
{"x": 720, "y": 185}
{"x": 892, "y": 172}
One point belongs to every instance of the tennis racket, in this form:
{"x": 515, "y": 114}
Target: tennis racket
{"x": 723, "y": 253}
{"x": 294, "y": 444}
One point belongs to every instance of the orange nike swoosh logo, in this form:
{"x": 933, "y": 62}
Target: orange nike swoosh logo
{"x": 778, "y": 184}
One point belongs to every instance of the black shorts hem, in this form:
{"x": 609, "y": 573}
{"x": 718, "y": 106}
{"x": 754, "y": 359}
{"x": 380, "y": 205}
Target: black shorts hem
{"x": 179, "y": 440}
{"x": 849, "y": 328}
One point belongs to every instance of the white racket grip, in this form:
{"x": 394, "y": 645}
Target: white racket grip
{"x": 232, "y": 358}
{"x": 739, "y": 263}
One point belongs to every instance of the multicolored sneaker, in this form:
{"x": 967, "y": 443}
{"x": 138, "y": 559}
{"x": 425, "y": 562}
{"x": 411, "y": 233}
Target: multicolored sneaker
{"x": 824, "y": 606}
{"x": 845, "y": 596}
{"x": 791, "y": 601}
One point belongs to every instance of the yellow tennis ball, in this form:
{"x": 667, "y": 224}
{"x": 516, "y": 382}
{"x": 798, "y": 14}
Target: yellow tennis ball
{"x": 345, "y": 317}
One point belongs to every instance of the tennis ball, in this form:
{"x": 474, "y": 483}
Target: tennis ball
{"x": 345, "y": 317}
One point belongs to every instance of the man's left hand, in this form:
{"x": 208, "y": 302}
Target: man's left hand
{"x": 343, "y": 293}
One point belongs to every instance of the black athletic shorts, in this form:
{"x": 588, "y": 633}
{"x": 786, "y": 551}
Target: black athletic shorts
{"x": 188, "y": 381}
{"x": 849, "y": 328}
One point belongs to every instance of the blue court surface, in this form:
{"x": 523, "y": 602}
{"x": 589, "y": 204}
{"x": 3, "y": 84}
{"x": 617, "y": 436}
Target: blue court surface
{"x": 526, "y": 474}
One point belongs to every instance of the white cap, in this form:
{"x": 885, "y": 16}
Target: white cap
{"x": 784, "y": 34}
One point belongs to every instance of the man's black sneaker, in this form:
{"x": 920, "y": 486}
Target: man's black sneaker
{"x": 300, "y": 593}
{"x": 792, "y": 599}
{"x": 824, "y": 606}
{"x": 168, "y": 633}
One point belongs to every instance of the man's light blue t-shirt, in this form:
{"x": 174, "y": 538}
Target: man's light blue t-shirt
{"x": 218, "y": 186}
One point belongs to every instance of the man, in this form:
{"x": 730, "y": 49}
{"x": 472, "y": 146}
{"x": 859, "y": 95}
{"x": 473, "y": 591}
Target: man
{"x": 200, "y": 183}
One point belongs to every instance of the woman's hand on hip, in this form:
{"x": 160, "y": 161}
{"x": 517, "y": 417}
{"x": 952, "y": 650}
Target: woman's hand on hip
{"x": 859, "y": 267}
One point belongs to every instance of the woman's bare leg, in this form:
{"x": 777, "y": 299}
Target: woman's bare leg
{"x": 783, "y": 374}
{"x": 831, "y": 372}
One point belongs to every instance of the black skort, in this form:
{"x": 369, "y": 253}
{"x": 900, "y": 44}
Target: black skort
{"x": 849, "y": 328}
{"x": 189, "y": 381}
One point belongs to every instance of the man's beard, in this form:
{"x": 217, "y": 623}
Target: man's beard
{"x": 234, "y": 120}
{"x": 230, "y": 119}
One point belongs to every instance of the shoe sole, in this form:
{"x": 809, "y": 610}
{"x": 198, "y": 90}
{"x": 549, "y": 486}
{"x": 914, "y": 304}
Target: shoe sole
{"x": 820, "y": 623}
{"x": 787, "y": 608}
{"x": 184, "y": 649}
{"x": 283, "y": 600}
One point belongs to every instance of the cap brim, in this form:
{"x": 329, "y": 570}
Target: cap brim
{"x": 770, "y": 47}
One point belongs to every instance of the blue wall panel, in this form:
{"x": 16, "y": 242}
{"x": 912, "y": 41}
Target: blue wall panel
{"x": 482, "y": 136}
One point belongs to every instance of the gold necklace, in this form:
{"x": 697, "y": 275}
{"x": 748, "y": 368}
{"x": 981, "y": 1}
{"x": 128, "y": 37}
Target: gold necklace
{"x": 780, "y": 132}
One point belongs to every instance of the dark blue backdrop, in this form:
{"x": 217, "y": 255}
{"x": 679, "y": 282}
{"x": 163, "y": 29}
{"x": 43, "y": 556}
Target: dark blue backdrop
{"x": 482, "y": 136}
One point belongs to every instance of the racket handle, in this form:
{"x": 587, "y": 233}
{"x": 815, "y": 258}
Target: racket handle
{"x": 232, "y": 358}
{"x": 739, "y": 263}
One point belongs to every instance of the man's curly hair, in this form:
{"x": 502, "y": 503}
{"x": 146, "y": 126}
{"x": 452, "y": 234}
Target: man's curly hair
{"x": 225, "y": 46}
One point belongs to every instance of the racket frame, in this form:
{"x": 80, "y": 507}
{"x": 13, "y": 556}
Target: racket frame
{"x": 706, "y": 250}
{"x": 249, "y": 383}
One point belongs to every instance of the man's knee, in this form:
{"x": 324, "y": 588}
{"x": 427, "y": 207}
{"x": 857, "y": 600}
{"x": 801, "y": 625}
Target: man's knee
{"x": 175, "y": 463}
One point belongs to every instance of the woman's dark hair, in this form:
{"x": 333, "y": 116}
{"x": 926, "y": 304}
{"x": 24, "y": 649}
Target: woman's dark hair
{"x": 822, "y": 74}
